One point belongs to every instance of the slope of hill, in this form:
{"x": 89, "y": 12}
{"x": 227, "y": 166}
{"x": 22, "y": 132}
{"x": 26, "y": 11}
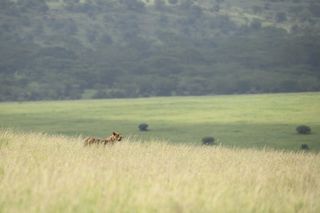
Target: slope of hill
{"x": 70, "y": 49}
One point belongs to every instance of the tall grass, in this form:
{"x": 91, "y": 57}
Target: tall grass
{"x": 41, "y": 173}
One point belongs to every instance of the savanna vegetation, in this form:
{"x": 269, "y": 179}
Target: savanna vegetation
{"x": 259, "y": 121}
{"x": 81, "y": 49}
{"x": 42, "y": 173}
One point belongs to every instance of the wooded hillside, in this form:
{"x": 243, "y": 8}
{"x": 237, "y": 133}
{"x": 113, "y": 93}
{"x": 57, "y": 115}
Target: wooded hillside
{"x": 72, "y": 49}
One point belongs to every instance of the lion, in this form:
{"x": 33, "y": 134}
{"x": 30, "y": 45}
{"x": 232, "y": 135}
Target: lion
{"x": 115, "y": 137}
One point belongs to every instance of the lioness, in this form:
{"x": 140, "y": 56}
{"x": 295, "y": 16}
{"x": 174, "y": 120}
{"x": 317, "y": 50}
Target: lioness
{"x": 109, "y": 140}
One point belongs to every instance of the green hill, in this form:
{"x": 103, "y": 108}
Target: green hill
{"x": 72, "y": 49}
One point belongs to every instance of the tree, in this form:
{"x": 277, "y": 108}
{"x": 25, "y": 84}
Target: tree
{"x": 315, "y": 9}
{"x": 33, "y": 5}
{"x": 256, "y": 24}
{"x": 280, "y": 17}
{"x": 159, "y": 4}
{"x": 257, "y": 9}
{"x": 173, "y": 1}
{"x": 134, "y": 5}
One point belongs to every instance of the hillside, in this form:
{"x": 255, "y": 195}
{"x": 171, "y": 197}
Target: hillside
{"x": 72, "y": 49}
{"x": 42, "y": 173}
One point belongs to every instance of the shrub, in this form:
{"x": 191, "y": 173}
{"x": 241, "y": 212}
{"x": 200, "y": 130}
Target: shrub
{"x": 208, "y": 141}
{"x": 143, "y": 127}
{"x": 173, "y": 1}
{"x": 304, "y": 147}
{"x": 303, "y": 129}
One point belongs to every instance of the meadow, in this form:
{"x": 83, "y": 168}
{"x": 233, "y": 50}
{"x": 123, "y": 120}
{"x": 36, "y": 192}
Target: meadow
{"x": 247, "y": 121}
{"x": 50, "y": 173}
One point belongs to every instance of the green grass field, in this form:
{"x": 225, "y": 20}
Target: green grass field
{"x": 235, "y": 120}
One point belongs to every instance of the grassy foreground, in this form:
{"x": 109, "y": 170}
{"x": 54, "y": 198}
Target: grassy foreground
{"x": 41, "y": 173}
{"x": 253, "y": 121}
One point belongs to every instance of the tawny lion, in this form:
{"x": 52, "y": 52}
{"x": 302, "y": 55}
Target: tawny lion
{"x": 109, "y": 140}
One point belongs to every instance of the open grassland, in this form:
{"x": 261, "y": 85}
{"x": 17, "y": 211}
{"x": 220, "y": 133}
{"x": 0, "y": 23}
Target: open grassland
{"x": 41, "y": 173}
{"x": 235, "y": 120}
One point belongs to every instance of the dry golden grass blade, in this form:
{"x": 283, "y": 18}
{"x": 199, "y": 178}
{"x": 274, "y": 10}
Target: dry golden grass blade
{"x": 43, "y": 173}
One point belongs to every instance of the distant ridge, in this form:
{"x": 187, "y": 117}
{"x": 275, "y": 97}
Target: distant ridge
{"x": 74, "y": 49}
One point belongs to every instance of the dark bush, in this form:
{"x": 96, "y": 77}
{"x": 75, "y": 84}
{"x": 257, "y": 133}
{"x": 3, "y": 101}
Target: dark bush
{"x": 208, "y": 141}
{"x": 303, "y": 129}
{"x": 304, "y": 147}
{"x": 143, "y": 127}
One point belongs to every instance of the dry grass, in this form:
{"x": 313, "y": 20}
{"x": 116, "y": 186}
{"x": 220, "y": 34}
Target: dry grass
{"x": 41, "y": 173}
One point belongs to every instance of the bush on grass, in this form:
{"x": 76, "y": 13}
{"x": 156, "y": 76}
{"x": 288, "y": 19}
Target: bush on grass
{"x": 208, "y": 141}
{"x": 143, "y": 127}
{"x": 303, "y": 129}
